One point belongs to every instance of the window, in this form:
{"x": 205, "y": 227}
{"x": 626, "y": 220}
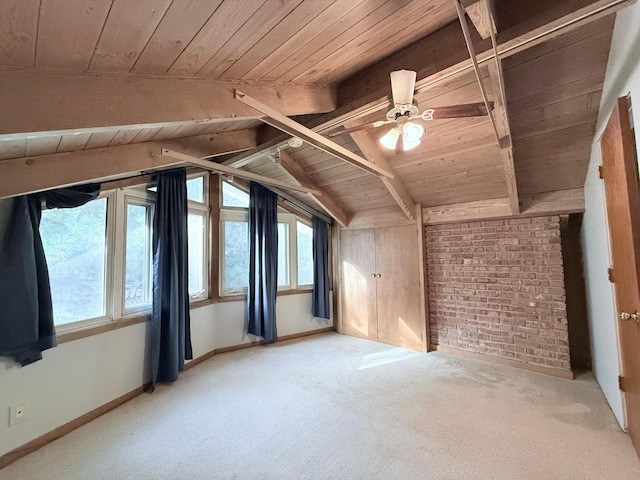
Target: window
{"x": 198, "y": 236}
{"x": 100, "y": 255}
{"x": 75, "y": 244}
{"x": 284, "y": 274}
{"x": 305, "y": 253}
{"x": 138, "y": 270}
{"x": 295, "y": 258}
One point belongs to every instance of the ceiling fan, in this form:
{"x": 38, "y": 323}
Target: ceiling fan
{"x": 406, "y": 133}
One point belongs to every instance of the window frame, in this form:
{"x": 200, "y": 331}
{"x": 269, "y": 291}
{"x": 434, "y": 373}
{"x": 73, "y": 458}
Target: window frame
{"x": 240, "y": 214}
{"x": 203, "y": 208}
{"x": 108, "y": 294}
{"x": 119, "y": 195}
{"x": 146, "y": 199}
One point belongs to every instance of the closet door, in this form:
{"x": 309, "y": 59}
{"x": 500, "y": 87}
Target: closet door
{"x": 400, "y": 319}
{"x": 357, "y": 250}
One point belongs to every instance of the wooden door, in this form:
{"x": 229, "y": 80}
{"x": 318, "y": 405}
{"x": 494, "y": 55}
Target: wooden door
{"x": 623, "y": 216}
{"x": 399, "y": 300}
{"x": 358, "y": 290}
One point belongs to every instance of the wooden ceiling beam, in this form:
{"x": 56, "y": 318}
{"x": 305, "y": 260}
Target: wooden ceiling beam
{"x": 499, "y": 117}
{"x": 224, "y": 170}
{"x": 21, "y": 176}
{"x": 277, "y": 119}
{"x": 214, "y": 143}
{"x": 561, "y": 202}
{"x": 479, "y": 12}
{"x": 325, "y": 201}
{"x": 395, "y": 186}
{"x": 34, "y": 103}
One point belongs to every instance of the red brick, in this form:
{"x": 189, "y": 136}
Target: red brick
{"x": 496, "y": 283}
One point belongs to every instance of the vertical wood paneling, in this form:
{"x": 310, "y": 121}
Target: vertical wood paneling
{"x": 229, "y": 17}
{"x": 69, "y": 31}
{"x": 400, "y": 31}
{"x": 126, "y": 31}
{"x": 260, "y": 23}
{"x": 302, "y": 37}
{"x": 281, "y": 33}
{"x": 340, "y": 21}
{"x": 18, "y": 31}
{"x": 181, "y": 23}
{"x": 314, "y": 63}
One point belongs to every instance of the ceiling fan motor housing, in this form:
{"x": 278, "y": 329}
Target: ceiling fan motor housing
{"x": 400, "y": 111}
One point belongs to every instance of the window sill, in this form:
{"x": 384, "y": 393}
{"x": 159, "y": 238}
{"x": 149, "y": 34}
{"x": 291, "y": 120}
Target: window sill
{"x": 134, "y": 320}
{"x": 200, "y": 303}
{"x": 243, "y": 296}
{"x": 106, "y": 327}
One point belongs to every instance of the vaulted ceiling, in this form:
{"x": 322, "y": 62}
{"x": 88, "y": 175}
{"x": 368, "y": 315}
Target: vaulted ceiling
{"x": 81, "y": 75}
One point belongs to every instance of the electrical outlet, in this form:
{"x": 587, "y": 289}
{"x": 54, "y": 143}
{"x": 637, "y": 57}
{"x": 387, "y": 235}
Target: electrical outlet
{"x": 17, "y": 414}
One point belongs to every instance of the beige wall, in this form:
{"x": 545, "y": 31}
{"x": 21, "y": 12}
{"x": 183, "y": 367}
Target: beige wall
{"x": 79, "y": 376}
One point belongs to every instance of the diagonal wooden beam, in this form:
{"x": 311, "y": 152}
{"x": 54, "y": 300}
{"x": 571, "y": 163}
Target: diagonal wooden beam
{"x": 214, "y": 143}
{"x": 61, "y": 103}
{"x": 479, "y": 14}
{"x": 395, "y": 186}
{"x": 223, "y": 169}
{"x": 328, "y": 204}
{"x": 282, "y": 122}
{"x": 499, "y": 119}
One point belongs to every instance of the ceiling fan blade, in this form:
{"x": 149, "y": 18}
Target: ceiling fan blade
{"x": 403, "y": 83}
{"x": 357, "y": 128}
{"x": 457, "y": 111}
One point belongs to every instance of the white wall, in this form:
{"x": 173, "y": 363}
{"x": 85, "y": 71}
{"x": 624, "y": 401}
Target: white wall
{"x": 622, "y": 78}
{"x": 79, "y": 376}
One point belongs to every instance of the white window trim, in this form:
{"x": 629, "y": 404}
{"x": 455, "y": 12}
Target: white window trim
{"x": 108, "y": 273}
{"x": 133, "y": 197}
{"x": 306, "y": 222}
{"x": 229, "y": 214}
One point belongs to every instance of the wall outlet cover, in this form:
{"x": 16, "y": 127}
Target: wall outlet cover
{"x": 17, "y": 413}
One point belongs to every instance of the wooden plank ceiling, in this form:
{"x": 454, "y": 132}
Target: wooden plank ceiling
{"x": 554, "y": 58}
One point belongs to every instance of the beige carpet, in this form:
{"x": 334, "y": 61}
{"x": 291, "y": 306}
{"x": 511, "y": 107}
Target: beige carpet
{"x": 337, "y": 407}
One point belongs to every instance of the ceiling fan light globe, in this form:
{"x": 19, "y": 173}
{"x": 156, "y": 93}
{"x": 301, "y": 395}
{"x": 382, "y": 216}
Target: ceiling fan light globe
{"x": 409, "y": 145}
{"x": 390, "y": 139}
{"x": 403, "y": 83}
{"x": 412, "y": 132}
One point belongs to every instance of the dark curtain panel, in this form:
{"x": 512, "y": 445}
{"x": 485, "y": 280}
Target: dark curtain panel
{"x": 26, "y": 311}
{"x": 263, "y": 262}
{"x": 320, "y": 301}
{"x": 170, "y": 326}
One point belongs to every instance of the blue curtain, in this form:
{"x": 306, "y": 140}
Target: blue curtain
{"x": 170, "y": 329}
{"x": 320, "y": 300}
{"x": 26, "y": 311}
{"x": 263, "y": 262}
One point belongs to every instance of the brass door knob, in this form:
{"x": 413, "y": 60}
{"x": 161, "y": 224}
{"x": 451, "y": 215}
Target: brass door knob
{"x": 625, "y": 316}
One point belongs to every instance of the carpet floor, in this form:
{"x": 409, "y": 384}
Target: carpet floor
{"x": 337, "y": 407}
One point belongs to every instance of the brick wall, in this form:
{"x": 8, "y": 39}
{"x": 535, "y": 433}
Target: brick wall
{"x": 497, "y": 288}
